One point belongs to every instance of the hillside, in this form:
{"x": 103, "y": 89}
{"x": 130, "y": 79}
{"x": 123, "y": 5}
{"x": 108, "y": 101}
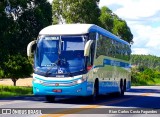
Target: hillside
{"x": 148, "y": 61}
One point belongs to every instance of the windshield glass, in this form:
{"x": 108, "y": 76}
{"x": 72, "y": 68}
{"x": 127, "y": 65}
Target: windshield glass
{"x": 60, "y": 54}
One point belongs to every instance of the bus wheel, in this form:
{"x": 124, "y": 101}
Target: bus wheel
{"x": 96, "y": 91}
{"x": 50, "y": 98}
{"x": 121, "y": 88}
{"x": 125, "y": 89}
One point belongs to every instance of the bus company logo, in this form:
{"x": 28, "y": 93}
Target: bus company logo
{"x": 60, "y": 71}
{"x": 57, "y": 84}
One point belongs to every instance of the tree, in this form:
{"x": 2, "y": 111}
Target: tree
{"x": 145, "y": 70}
{"x": 17, "y": 67}
{"x": 16, "y": 34}
{"x": 106, "y": 19}
{"x": 71, "y": 11}
{"x": 122, "y": 30}
{"x": 114, "y": 24}
{"x": 146, "y": 61}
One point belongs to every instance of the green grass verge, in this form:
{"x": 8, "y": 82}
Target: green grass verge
{"x": 10, "y": 91}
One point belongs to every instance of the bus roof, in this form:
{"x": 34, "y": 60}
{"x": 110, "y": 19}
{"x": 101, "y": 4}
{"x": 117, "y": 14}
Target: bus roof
{"x": 67, "y": 29}
{"x": 77, "y": 29}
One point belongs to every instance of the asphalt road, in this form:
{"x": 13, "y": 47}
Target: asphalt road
{"x": 137, "y": 102}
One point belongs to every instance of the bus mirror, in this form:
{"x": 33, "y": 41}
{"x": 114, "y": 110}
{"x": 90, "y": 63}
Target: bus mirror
{"x": 30, "y": 48}
{"x": 87, "y": 47}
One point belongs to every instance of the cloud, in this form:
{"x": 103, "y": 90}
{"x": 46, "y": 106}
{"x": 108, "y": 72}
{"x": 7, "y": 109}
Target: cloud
{"x": 50, "y": 1}
{"x": 147, "y": 37}
{"x": 133, "y": 8}
{"x": 147, "y": 40}
{"x": 140, "y": 51}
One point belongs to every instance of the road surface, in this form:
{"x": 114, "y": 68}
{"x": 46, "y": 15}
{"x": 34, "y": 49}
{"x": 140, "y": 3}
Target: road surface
{"x": 137, "y": 102}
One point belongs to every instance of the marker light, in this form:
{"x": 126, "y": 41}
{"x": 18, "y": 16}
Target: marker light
{"x": 35, "y": 80}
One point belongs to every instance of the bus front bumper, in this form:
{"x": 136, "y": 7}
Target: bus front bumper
{"x": 74, "y": 90}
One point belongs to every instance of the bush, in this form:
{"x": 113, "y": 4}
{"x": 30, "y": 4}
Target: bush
{"x": 145, "y": 76}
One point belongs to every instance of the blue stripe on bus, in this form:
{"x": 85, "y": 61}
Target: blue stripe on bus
{"x": 115, "y": 63}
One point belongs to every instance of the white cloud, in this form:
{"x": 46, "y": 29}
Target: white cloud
{"x": 140, "y": 51}
{"x": 146, "y": 35}
{"x": 50, "y": 1}
{"x": 134, "y": 8}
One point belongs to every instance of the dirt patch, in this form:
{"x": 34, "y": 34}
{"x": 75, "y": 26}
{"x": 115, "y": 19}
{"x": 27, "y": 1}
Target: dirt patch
{"x": 20, "y": 82}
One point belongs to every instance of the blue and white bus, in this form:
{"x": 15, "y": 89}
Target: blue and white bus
{"x": 79, "y": 60}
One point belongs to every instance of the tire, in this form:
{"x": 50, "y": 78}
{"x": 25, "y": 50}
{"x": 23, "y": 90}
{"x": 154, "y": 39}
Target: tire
{"x": 125, "y": 89}
{"x": 96, "y": 91}
{"x": 121, "y": 88}
{"x": 50, "y": 98}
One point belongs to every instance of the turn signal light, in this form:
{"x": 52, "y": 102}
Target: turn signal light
{"x": 89, "y": 67}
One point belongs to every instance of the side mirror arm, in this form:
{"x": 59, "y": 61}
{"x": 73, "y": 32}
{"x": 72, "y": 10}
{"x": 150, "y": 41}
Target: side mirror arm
{"x": 87, "y": 47}
{"x": 29, "y": 48}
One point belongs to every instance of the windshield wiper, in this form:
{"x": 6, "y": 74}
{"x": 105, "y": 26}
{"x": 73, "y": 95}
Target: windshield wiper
{"x": 53, "y": 65}
{"x": 72, "y": 73}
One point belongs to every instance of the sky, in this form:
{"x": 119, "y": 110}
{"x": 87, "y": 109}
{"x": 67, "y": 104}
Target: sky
{"x": 143, "y": 18}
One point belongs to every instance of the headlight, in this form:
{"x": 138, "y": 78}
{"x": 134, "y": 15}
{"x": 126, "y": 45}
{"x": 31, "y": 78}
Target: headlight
{"x": 38, "y": 81}
{"x": 81, "y": 80}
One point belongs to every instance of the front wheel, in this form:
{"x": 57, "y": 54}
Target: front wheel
{"x": 50, "y": 98}
{"x": 95, "y": 94}
{"x": 96, "y": 91}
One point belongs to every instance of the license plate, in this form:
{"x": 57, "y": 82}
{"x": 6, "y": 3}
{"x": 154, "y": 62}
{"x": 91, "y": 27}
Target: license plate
{"x": 60, "y": 76}
{"x": 57, "y": 90}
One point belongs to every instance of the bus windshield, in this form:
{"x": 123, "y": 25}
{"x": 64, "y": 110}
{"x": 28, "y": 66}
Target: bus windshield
{"x": 59, "y": 54}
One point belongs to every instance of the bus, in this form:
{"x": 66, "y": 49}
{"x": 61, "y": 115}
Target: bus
{"x": 79, "y": 60}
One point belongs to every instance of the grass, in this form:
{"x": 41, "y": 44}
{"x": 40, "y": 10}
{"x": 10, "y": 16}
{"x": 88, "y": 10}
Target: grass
{"x": 10, "y": 91}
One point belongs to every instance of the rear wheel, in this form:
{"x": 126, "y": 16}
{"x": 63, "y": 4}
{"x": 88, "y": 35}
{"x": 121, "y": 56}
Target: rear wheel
{"x": 125, "y": 89}
{"x": 121, "y": 92}
{"x": 121, "y": 88}
{"x": 50, "y": 98}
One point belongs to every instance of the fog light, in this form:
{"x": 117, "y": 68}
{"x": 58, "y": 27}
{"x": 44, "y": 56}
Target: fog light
{"x": 37, "y": 89}
{"x": 79, "y": 90}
